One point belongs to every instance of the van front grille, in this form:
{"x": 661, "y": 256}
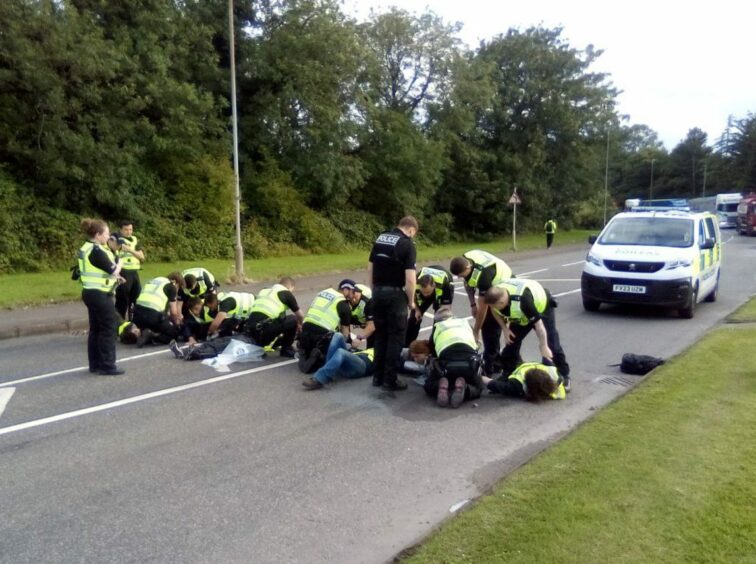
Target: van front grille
{"x": 632, "y": 266}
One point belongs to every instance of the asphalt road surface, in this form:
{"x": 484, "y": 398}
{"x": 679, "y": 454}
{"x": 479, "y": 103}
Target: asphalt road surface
{"x": 175, "y": 462}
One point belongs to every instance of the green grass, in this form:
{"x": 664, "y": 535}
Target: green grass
{"x": 51, "y": 287}
{"x": 744, "y": 314}
{"x": 665, "y": 474}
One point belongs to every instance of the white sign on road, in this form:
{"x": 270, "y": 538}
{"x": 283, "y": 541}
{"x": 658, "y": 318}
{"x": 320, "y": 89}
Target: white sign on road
{"x": 5, "y": 395}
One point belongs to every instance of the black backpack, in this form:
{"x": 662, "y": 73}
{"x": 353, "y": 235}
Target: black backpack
{"x": 639, "y": 364}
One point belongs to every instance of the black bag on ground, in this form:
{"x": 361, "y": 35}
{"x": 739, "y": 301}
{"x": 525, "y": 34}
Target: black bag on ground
{"x": 639, "y": 364}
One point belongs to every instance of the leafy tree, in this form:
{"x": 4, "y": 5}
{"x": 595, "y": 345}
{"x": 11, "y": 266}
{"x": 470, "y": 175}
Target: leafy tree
{"x": 688, "y": 160}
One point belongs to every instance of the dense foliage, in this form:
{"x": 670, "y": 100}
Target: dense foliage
{"x": 121, "y": 109}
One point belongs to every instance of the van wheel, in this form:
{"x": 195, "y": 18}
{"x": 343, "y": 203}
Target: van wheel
{"x": 712, "y": 297}
{"x": 689, "y": 310}
{"x": 591, "y": 305}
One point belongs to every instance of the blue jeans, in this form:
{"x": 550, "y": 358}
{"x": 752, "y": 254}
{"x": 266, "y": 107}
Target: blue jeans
{"x": 340, "y": 362}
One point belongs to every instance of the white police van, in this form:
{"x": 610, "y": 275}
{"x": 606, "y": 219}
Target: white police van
{"x": 668, "y": 259}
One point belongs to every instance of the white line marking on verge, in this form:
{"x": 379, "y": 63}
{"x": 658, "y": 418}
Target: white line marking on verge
{"x": 77, "y": 369}
{"x": 134, "y": 399}
{"x": 5, "y": 396}
{"x": 574, "y": 263}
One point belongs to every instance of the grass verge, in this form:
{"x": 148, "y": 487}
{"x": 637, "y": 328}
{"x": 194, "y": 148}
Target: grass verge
{"x": 51, "y": 287}
{"x": 665, "y": 474}
{"x": 744, "y": 314}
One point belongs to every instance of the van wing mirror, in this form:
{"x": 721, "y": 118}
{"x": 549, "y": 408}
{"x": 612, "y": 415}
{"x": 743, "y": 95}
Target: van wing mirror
{"x": 708, "y": 243}
{"x": 592, "y": 239}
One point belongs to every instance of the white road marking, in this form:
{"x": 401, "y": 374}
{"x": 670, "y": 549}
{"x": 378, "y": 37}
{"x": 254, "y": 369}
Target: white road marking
{"x": 566, "y": 293}
{"x": 5, "y": 396}
{"x": 77, "y": 369}
{"x": 520, "y": 274}
{"x": 135, "y": 399}
{"x": 574, "y": 263}
{"x": 559, "y": 279}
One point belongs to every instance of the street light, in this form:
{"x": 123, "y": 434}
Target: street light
{"x": 606, "y": 172}
{"x": 651, "y": 185}
{"x": 239, "y": 251}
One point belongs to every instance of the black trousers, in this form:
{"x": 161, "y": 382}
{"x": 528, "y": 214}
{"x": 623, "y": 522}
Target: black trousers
{"x": 510, "y": 356}
{"x": 157, "y": 322}
{"x": 265, "y": 331}
{"x": 491, "y": 333}
{"x": 413, "y": 326}
{"x": 127, "y": 293}
{"x": 310, "y": 338}
{"x": 390, "y": 318}
{"x": 101, "y": 342}
{"x": 455, "y": 365}
{"x": 549, "y": 240}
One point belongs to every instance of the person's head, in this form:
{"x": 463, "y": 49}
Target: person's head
{"x": 194, "y": 305}
{"x": 346, "y": 287}
{"x": 460, "y": 266}
{"x": 498, "y": 298}
{"x": 130, "y": 334}
{"x": 539, "y": 385}
{"x": 190, "y": 281}
{"x": 409, "y": 226}
{"x": 126, "y": 227}
{"x": 96, "y": 230}
{"x": 419, "y": 351}
{"x": 287, "y": 282}
{"x": 427, "y": 285}
{"x": 211, "y": 302}
{"x": 176, "y": 279}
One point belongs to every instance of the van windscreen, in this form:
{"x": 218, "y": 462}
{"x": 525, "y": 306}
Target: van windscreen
{"x": 650, "y": 231}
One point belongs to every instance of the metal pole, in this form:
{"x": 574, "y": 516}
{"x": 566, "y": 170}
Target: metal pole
{"x": 651, "y": 185}
{"x": 514, "y": 227}
{"x": 704, "y": 180}
{"x": 239, "y": 251}
{"x": 606, "y": 172}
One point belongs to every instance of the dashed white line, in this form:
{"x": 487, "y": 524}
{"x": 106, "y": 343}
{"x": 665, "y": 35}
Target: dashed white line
{"x": 567, "y": 293}
{"x": 574, "y": 263}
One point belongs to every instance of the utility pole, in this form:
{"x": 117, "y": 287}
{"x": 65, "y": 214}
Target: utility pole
{"x": 513, "y": 201}
{"x": 704, "y": 179}
{"x": 651, "y": 184}
{"x": 239, "y": 250}
{"x": 606, "y": 172}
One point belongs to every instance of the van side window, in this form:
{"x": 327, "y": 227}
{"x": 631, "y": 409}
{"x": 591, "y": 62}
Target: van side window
{"x": 701, "y": 233}
{"x": 711, "y": 230}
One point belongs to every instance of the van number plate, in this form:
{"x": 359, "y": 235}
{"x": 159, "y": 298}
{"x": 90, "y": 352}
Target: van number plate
{"x": 629, "y": 289}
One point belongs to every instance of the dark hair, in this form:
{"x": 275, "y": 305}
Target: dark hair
{"x": 458, "y": 265}
{"x": 426, "y": 280}
{"x": 193, "y": 302}
{"x": 409, "y": 221}
{"x": 211, "y": 299}
{"x": 92, "y": 227}
{"x": 539, "y": 385}
{"x": 190, "y": 280}
{"x": 493, "y": 295}
{"x": 129, "y": 336}
{"x": 177, "y": 278}
{"x": 125, "y": 222}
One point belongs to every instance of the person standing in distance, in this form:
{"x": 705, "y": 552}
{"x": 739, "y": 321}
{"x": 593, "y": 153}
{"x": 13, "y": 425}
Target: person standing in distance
{"x": 99, "y": 273}
{"x": 392, "y": 274}
{"x": 131, "y": 256}
{"x": 550, "y": 228}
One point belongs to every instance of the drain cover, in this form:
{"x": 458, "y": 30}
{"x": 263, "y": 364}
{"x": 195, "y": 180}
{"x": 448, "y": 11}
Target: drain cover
{"x": 623, "y": 381}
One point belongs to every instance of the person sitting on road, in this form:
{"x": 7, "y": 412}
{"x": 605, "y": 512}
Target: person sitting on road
{"x": 533, "y": 381}
{"x": 268, "y": 324}
{"x": 158, "y": 298}
{"x": 434, "y": 288}
{"x": 341, "y": 362}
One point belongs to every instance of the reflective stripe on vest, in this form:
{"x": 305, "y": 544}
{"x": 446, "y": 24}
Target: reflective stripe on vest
{"x": 451, "y": 332}
{"x": 440, "y": 278}
{"x": 204, "y": 317}
{"x": 91, "y": 277}
{"x": 520, "y": 371}
{"x": 359, "y": 311}
{"x": 199, "y": 273}
{"x": 153, "y": 294}
{"x": 323, "y": 311}
{"x": 269, "y": 304}
{"x": 369, "y": 353}
{"x": 515, "y": 287}
{"x": 481, "y": 260}
{"x": 129, "y": 261}
{"x": 244, "y": 303}
{"x": 122, "y": 327}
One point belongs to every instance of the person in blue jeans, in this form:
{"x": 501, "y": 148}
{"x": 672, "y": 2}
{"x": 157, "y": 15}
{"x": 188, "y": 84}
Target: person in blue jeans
{"x": 341, "y": 362}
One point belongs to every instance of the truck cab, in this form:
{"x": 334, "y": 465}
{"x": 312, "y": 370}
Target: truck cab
{"x": 746, "y": 215}
{"x": 727, "y": 209}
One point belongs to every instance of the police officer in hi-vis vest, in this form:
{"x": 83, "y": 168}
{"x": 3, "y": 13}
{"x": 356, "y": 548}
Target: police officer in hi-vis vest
{"x": 268, "y": 323}
{"x": 434, "y": 288}
{"x": 99, "y": 274}
{"x": 392, "y": 275}
{"x": 157, "y": 312}
{"x": 131, "y": 256}
{"x": 520, "y": 306}
{"x": 481, "y": 270}
{"x": 550, "y": 228}
{"x": 533, "y": 381}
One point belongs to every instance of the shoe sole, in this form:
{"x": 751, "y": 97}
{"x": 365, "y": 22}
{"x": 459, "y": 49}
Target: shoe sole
{"x": 458, "y": 395}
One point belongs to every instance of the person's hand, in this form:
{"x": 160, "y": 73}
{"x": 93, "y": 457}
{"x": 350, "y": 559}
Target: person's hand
{"x": 418, "y": 314}
{"x": 546, "y": 352}
{"x": 120, "y": 279}
{"x": 474, "y": 310}
{"x": 486, "y": 380}
{"x": 509, "y": 336}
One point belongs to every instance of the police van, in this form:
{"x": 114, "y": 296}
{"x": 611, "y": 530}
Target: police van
{"x": 668, "y": 259}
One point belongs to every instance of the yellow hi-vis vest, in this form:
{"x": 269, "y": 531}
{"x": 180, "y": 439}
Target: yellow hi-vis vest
{"x": 440, "y": 277}
{"x": 369, "y": 353}
{"x": 359, "y": 311}
{"x": 129, "y": 261}
{"x": 515, "y": 287}
{"x": 520, "y": 371}
{"x": 153, "y": 294}
{"x": 122, "y": 327}
{"x": 323, "y": 311}
{"x": 452, "y": 332}
{"x": 481, "y": 260}
{"x": 550, "y": 226}
{"x": 268, "y": 302}
{"x": 199, "y": 274}
{"x": 91, "y": 277}
{"x": 244, "y": 303}
{"x": 204, "y": 318}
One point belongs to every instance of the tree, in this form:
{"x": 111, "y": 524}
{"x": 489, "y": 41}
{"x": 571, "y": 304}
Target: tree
{"x": 687, "y": 165}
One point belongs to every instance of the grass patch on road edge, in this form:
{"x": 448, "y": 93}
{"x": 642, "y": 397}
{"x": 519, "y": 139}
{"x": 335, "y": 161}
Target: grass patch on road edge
{"x": 52, "y": 287}
{"x": 744, "y": 314}
{"x": 665, "y": 474}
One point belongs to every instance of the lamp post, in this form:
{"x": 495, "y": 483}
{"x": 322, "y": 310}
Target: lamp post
{"x": 239, "y": 250}
{"x": 606, "y": 172}
{"x": 651, "y": 184}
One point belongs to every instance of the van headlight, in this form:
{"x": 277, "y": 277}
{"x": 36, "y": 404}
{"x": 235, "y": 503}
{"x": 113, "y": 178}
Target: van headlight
{"x": 593, "y": 259}
{"x": 679, "y": 263}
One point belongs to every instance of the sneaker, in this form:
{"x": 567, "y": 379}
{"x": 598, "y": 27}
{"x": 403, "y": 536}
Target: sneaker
{"x": 176, "y": 350}
{"x": 288, "y": 352}
{"x": 312, "y": 384}
{"x": 144, "y": 338}
{"x": 308, "y": 364}
{"x": 458, "y": 395}
{"x": 567, "y": 384}
{"x": 442, "y": 398}
{"x": 395, "y": 386}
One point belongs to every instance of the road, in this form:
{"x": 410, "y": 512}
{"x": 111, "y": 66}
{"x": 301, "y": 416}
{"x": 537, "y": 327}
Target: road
{"x": 174, "y": 462}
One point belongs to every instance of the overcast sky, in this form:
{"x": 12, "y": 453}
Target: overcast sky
{"x": 679, "y": 65}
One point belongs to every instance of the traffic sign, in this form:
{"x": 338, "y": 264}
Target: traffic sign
{"x": 514, "y": 199}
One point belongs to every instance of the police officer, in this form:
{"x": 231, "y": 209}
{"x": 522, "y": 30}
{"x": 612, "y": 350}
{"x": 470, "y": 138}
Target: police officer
{"x": 229, "y": 311}
{"x": 434, "y": 288}
{"x": 533, "y": 381}
{"x": 550, "y": 228}
{"x": 362, "y": 313}
{"x": 268, "y": 322}
{"x": 392, "y": 274}
{"x": 131, "y": 256}
{"x": 99, "y": 273}
{"x": 158, "y": 297}
{"x": 198, "y": 282}
{"x": 482, "y": 270}
{"x": 521, "y": 306}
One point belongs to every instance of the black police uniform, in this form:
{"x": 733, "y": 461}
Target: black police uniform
{"x": 424, "y": 304}
{"x": 283, "y": 330}
{"x": 127, "y": 293}
{"x": 393, "y": 253}
{"x": 103, "y": 324}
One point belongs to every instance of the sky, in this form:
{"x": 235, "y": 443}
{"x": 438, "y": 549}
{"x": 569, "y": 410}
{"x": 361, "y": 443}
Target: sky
{"x": 678, "y": 64}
